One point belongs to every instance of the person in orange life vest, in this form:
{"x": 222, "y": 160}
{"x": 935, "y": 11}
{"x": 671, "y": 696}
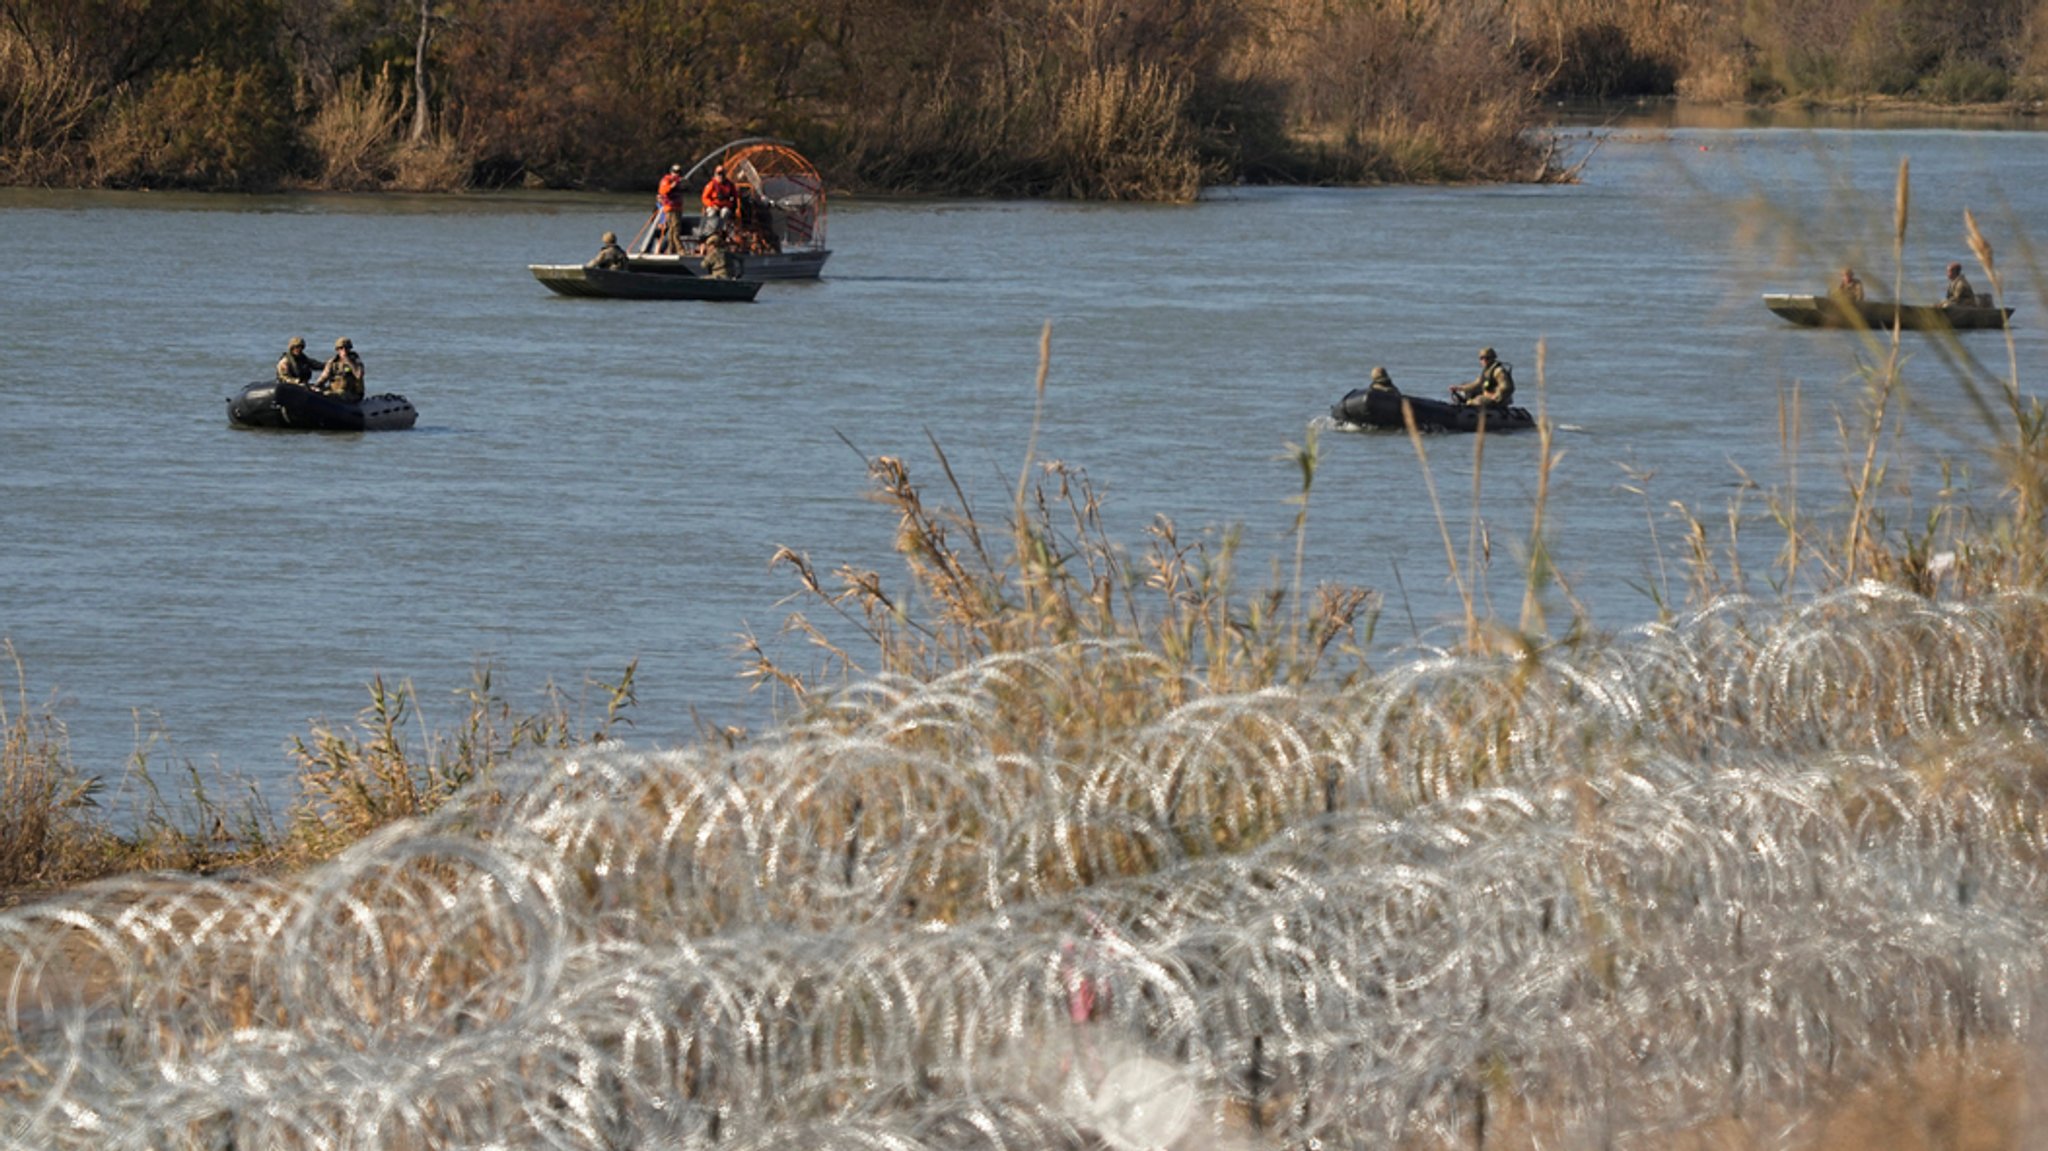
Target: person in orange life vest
{"x": 668, "y": 195}
{"x": 721, "y": 197}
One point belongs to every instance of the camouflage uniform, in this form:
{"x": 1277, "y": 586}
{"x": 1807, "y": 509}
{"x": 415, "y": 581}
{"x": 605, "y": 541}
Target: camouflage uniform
{"x": 1495, "y": 387}
{"x": 609, "y": 256}
{"x": 343, "y": 376}
{"x": 1960, "y": 293}
{"x": 295, "y": 366}
{"x": 717, "y": 264}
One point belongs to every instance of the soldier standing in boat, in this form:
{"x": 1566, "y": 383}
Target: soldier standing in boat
{"x": 343, "y": 375}
{"x": 295, "y": 366}
{"x": 609, "y": 256}
{"x": 1494, "y": 387}
{"x": 1960, "y": 293}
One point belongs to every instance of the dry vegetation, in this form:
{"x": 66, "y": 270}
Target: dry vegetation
{"x": 1111, "y": 99}
{"x": 352, "y": 779}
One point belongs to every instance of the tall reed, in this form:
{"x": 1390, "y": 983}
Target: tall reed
{"x": 392, "y": 763}
{"x": 43, "y": 801}
{"x": 1062, "y": 582}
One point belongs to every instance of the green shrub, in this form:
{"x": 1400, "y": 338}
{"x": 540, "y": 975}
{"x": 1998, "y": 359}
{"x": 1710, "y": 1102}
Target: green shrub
{"x": 1962, "y": 81}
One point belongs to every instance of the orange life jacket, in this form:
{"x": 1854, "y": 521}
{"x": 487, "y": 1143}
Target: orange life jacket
{"x": 671, "y": 183}
{"x": 721, "y": 193}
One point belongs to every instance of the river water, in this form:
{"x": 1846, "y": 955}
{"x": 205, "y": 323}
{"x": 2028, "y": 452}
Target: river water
{"x": 597, "y": 482}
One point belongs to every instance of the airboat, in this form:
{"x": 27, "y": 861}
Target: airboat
{"x": 778, "y": 232}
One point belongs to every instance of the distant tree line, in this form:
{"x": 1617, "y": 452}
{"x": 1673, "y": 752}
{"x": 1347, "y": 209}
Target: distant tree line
{"x": 1112, "y": 99}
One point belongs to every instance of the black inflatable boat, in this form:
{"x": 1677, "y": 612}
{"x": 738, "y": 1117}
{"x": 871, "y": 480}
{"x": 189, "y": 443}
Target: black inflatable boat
{"x": 1381, "y": 408}
{"x": 266, "y": 404}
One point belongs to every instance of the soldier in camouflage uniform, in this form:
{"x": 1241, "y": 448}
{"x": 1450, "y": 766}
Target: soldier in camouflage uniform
{"x": 610, "y": 256}
{"x": 1960, "y": 293}
{"x": 1495, "y": 387}
{"x": 295, "y": 366}
{"x": 717, "y": 263}
{"x": 1849, "y": 287}
{"x": 342, "y": 378}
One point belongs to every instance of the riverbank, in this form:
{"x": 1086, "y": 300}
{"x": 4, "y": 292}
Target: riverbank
{"x": 1038, "y": 98}
{"x": 1879, "y": 112}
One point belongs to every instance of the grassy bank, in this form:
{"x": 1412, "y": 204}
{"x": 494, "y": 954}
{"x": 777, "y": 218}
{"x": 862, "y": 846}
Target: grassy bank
{"x": 352, "y": 779}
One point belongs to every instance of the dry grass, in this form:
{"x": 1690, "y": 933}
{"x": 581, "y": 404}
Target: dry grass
{"x": 353, "y": 779}
{"x": 360, "y": 139}
{"x": 45, "y": 100}
{"x": 1051, "y": 578}
{"x": 389, "y": 766}
{"x": 355, "y": 132}
{"x": 43, "y": 828}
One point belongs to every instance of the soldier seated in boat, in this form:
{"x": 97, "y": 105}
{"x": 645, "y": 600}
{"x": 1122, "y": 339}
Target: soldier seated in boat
{"x": 1960, "y": 293}
{"x": 1848, "y": 287}
{"x": 342, "y": 378}
{"x": 1382, "y": 381}
{"x": 610, "y": 255}
{"x": 1494, "y": 387}
{"x": 295, "y": 366}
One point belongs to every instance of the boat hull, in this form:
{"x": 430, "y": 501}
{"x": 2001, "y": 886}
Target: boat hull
{"x": 634, "y": 284}
{"x": 803, "y": 265}
{"x": 1366, "y": 408}
{"x": 265, "y": 404}
{"x": 1832, "y": 312}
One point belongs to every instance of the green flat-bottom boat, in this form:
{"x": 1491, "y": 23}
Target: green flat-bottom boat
{"x": 1835, "y": 312}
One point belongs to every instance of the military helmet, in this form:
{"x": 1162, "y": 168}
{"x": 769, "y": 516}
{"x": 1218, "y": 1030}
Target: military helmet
{"x": 611, "y": 237}
{"x": 1487, "y": 354}
{"x": 297, "y": 343}
{"x": 342, "y": 343}
{"x": 1379, "y": 375}
{"x": 1955, "y": 269}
